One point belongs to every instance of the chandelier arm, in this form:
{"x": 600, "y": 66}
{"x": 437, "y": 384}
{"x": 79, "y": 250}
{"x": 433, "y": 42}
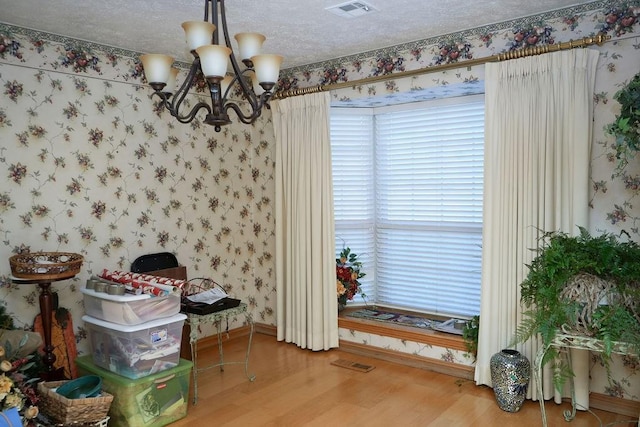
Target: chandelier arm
{"x": 246, "y": 90}
{"x": 244, "y": 119}
{"x": 182, "y": 119}
{"x": 181, "y": 93}
{"x": 214, "y": 17}
{"x": 262, "y": 101}
{"x": 192, "y": 114}
{"x": 165, "y": 99}
{"x": 206, "y": 10}
{"x": 228, "y": 91}
{"x": 254, "y": 99}
{"x": 174, "y": 105}
{"x": 223, "y": 17}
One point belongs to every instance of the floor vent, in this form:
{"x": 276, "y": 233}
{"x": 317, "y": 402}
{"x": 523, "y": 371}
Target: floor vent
{"x": 349, "y": 364}
{"x": 352, "y": 9}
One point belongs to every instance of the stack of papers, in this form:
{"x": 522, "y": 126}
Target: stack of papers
{"x": 209, "y": 296}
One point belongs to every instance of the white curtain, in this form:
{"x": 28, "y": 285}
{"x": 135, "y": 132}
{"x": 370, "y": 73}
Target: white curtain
{"x": 537, "y": 152}
{"x": 307, "y": 303}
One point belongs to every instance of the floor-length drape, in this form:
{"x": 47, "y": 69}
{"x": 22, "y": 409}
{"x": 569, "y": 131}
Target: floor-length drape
{"x": 307, "y": 304}
{"x": 537, "y": 150}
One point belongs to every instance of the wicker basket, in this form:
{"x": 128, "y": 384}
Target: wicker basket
{"x": 45, "y": 265}
{"x": 72, "y": 411}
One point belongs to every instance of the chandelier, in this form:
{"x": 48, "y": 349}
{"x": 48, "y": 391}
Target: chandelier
{"x": 256, "y": 80}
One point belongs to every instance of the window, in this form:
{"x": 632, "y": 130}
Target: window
{"x": 408, "y": 199}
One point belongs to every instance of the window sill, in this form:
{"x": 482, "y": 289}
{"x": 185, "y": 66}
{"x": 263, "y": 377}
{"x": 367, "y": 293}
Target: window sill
{"x": 409, "y": 333}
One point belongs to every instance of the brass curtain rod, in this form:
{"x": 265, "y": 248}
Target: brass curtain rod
{"x": 522, "y": 53}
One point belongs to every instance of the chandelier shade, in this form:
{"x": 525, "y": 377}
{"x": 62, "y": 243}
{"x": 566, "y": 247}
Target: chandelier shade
{"x": 157, "y": 68}
{"x": 254, "y": 83}
{"x": 198, "y": 33}
{"x": 267, "y": 67}
{"x": 249, "y": 44}
{"x": 213, "y": 60}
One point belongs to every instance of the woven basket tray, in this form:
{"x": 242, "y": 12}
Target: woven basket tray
{"x": 72, "y": 411}
{"x": 45, "y": 265}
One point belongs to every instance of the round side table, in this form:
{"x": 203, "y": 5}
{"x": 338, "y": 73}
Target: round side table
{"x": 46, "y": 312}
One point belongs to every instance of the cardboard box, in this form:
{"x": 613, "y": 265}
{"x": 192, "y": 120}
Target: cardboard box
{"x": 152, "y": 401}
{"x": 179, "y": 272}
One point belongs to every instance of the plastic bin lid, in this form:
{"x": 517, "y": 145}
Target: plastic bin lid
{"x": 117, "y": 298}
{"x": 134, "y": 328}
{"x": 110, "y": 378}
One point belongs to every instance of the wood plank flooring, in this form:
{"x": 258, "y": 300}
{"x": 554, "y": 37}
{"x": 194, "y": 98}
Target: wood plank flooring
{"x": 295, "y": 387}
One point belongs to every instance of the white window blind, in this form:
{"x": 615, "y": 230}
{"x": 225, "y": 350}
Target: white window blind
{"x": 429, "y": 171}
{"x": 424, "y": 187}
{"x": 353, "y": 189}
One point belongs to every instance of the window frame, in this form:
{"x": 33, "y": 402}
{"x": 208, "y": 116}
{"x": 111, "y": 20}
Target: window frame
{"x": 370, "y": 267}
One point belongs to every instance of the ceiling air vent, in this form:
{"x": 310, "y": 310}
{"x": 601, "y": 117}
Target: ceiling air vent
{"x": 352, "y": 9}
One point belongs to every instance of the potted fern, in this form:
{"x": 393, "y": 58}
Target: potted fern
{"x": 470, "y": 336}
{"x": 583, "y": 285}
{"x": 626, "y": 127}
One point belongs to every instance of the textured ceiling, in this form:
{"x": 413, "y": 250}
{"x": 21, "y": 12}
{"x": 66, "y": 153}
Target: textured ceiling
{"x": 301, "y": 30}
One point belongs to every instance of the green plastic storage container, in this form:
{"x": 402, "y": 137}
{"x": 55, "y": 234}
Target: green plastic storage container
{"x": 152, "y": 401}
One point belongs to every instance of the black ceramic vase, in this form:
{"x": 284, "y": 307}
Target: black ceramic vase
{"x": 510, "y": 374}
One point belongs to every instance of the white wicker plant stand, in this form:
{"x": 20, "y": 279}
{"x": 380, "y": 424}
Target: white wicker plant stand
{"x": 565, "y": 341}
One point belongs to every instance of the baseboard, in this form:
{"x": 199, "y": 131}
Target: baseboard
{"x": 427, "y": 363}
{"x": 455, "y": 370}
{"x": 263, "y": 328}
{"x": 617, "y": 405}
{"x": 209, "y": 341}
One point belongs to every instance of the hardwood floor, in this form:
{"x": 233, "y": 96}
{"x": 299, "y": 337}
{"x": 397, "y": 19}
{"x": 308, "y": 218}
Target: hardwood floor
{"x": 295, "y": 387}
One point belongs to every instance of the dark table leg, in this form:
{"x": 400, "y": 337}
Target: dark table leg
{"x": 46, "y": 313}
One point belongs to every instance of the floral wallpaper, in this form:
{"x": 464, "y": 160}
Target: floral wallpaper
{"x": 93, "y": 165}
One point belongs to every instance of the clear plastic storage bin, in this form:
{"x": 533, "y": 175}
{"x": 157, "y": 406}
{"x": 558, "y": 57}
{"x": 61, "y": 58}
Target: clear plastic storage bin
{"x": 137, "y": 350}
{"x": 129, "y": 309}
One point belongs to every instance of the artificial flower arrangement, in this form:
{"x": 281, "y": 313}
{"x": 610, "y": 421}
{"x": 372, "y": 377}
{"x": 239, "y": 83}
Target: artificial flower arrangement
{"x": 17, "y": 381}
{"x": 347, "y": 274}
{"x": 17, "y": 390}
